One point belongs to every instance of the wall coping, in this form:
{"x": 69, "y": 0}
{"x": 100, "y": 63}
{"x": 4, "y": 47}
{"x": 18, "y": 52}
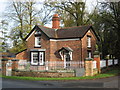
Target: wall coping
{"x": 89, "y": 59}
{"x": 37, "y": 49}
{"x": 96, "y": 55}
{"x": 15, "y": 60}
{"x": 4, "y": 59}
{"x": 52, "y": 71}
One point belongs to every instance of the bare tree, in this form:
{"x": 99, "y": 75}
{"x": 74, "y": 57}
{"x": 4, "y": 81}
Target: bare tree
{"x": 72, "y": 13}
{"x": 25, "y": 16}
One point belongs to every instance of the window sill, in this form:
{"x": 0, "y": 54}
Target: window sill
{"x": 37, "y": 64}
{"x": 37, "y": 46}
{"x": 33, "y": 64}
{"x": 89, "y": 47}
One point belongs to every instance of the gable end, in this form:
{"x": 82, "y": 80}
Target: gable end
{"x": 32, "y": 32}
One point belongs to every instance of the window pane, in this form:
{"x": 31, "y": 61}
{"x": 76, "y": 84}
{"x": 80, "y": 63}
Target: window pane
{"x": 41, "y": 58}
{"x": 88, "y": 41}
{"x": 35, "y": 61}
{"x": 89, "y": 54}
{"x": 37, "y": 41}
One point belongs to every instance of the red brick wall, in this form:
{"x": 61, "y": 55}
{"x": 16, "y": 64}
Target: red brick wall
{"x": 45, "y": 44}
{"x": 53, "y": 49}
{"x": 84, "y": 44}
{"x": 75, "y": 45}
{"x": 53, "y": 46}
{"x": 22, "y": 55}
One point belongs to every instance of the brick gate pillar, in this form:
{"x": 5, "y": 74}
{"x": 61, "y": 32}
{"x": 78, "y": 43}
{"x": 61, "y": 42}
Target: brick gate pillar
{"x": 4, "y": 62}
{"x": 97, "y": 59}
{"x": 14, "y": 66}
{"x": 88, "y": 67}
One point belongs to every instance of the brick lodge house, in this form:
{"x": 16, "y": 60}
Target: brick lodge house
{"x": 62, "y": 45}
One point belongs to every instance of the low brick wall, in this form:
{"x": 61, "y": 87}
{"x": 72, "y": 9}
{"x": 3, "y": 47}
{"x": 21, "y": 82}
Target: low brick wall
{"x": 43, "y": 74}
{"x": 95, "y": 71}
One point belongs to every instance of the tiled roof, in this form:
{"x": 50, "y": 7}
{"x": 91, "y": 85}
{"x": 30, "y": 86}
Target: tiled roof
{"x": 48, "y": 31}
{"x": 65, "y": 48}
{"x": 72, "y": 32}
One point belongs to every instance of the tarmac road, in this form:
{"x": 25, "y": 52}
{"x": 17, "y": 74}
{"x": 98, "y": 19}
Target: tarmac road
{"x": 111, "y": 82}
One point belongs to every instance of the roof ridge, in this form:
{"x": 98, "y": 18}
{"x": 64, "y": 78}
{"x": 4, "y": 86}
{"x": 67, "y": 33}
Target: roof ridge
{"x": 76, "y": 26}
{"x": 63, "y": 27}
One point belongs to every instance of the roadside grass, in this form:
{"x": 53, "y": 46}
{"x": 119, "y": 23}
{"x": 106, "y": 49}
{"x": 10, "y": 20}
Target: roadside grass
{"x": 112, "y": 72}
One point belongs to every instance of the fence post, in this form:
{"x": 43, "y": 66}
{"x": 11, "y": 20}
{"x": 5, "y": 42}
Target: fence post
{"x": 4, "y": 62}
{"x": 14, "y": 66}
{"x": 97, "y": 59}
{"x": 46, "y": 65}
{"x": 106, "y": 63}
{"x": 88, "y": 67}
{"x": 113, "y": 62}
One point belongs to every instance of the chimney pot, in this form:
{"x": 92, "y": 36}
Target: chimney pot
{"x": 55, "y": 21}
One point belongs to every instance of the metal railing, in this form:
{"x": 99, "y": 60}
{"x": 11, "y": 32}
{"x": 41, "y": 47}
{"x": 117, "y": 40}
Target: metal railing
{"x": 51, "y": 65}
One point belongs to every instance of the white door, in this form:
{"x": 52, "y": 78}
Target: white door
{"x": 66, "y": 60}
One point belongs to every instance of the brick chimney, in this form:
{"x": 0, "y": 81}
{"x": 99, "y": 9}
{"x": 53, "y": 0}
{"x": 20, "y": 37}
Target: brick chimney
{"x": 55, "y": 21}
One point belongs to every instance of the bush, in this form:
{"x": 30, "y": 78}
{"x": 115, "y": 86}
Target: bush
{"x": 96, "y": 53}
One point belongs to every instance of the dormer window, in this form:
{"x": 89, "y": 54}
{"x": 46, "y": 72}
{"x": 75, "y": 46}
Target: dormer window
{"x": 37, "y": 39}
{"x": 88, "y": 41}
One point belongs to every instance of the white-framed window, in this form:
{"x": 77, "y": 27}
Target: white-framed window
{"x": 41, "y": 58}
{"x": 34, "y": 58}
{"x": 37, "y": 41}
{"x": 89, "y": 54}
{"x": 37, "y": 58}
{"x": 88, "y": 41}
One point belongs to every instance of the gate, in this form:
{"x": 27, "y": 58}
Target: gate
{"x": 80, "y": 72}
{"x": 9, "y": 68}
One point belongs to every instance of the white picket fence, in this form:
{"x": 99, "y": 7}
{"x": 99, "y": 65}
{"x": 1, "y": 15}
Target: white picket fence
{"x": 94, "y": 65}
{"x": 103, "y": 63}
{"x": 110, "y": 62}
{"x": 50, "y": 65}
{"x": 60, "y": 65}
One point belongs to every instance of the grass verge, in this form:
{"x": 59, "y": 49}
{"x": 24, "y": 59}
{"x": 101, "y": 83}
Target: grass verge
{"x": 111, "y": 73}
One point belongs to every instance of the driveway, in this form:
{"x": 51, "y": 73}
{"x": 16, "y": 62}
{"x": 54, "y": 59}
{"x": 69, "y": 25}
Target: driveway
{"x": 111, "y": 82}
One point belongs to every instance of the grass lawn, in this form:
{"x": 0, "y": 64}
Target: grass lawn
{"x": 112, "y": 72}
